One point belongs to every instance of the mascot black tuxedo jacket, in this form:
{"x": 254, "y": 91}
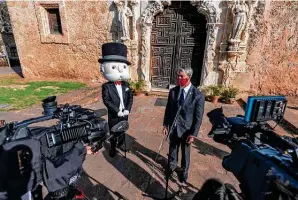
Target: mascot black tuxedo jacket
{"x": 111, "y": 99}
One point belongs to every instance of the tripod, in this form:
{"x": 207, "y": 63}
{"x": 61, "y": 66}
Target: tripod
{"x": 168, "y": 164}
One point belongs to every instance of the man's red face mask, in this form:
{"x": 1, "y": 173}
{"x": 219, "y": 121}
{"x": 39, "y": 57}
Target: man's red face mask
{"x": 182, "y": 80}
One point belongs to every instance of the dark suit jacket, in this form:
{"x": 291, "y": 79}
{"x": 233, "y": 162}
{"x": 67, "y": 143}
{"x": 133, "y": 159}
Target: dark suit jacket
{"x": 111, "y": 100}
{"x": 191, "y": 114}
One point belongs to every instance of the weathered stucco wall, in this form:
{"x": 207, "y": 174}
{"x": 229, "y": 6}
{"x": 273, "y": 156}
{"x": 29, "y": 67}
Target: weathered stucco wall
{"x": 272, "y": 61}
{"x": 88, "y": 27}
{"x": 273, "y": 49}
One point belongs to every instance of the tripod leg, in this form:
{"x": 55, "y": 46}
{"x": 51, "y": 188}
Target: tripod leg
{"x": 167, "y": 177}
{"x": 125, "y": 145}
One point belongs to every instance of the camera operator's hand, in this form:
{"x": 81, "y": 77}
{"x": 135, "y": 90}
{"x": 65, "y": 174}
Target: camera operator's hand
{"x": 120, "y": 114}
{"x": 190, "y": 139}
{"x": 89, "y": 151}
{"x": 165, "y": 130}
{"x": 125, "y": 112}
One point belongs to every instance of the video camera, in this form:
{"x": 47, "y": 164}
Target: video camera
{"x": 265, "y": 163}
{"x": 53, "y": 155}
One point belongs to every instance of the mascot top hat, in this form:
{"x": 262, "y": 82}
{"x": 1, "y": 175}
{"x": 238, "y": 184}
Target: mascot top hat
{"x": 114, "y": 63}
{"x": 114, "y": 51}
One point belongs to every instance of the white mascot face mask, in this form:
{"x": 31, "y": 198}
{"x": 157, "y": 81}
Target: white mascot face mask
{"x": 115, "y": 71}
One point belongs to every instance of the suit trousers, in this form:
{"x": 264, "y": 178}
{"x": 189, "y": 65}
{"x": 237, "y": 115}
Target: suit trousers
{"x": 175, "y": 143}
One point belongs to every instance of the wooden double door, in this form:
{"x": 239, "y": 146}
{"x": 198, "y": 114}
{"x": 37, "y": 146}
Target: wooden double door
{"x": 178, "y": 39}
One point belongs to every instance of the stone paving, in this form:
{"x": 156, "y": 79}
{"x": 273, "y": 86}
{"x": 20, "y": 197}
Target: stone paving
{"x": 120, "y": 178}
{"x": 128, "y": 178}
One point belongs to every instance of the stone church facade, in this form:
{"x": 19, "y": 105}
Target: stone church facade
{"x": 249, "y": 44}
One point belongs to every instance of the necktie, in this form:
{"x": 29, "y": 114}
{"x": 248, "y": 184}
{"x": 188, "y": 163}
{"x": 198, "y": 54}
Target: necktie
{"x": 181, "y": 99}
{"x": 118, "y": 82}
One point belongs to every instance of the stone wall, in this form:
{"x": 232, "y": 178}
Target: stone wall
{"x": 88, "y": 26}
{"x": 273, "y": 49}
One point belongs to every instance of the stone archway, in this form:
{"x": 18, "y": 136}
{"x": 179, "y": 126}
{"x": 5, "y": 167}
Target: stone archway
{"x": 156, "y": 7}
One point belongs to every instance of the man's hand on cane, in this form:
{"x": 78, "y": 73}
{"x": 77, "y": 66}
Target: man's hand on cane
{"x": 165, "y": 131}
{"x": 190, "y": 139}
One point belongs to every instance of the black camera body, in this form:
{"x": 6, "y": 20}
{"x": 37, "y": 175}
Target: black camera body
{"x": 265, "y": 163}
{"x": 53, "y": 155}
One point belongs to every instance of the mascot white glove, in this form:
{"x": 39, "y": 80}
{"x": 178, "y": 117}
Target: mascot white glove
{"x": 125, "y": 112}
{"x": 120, "y": 114}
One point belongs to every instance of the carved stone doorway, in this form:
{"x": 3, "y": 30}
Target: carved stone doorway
{"x": 177, "y": 39}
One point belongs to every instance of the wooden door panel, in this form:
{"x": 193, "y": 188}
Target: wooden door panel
{"x": 161, "y": 56}
{"x": 178, "y": 39}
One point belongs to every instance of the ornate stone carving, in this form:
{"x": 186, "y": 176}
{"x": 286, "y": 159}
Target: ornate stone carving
{"x": 145, "y": 60}
{"x": 204, "y": 7}
{"x": 228, "y": 68}
{"x": 135, "y": 38}
{"x": 207, "y": 8}
{"x": 240, "y": 16}
{"x": 134, "y": 4}
{"x": 5, "y": 25}
{"x": 152, "y": 10}
{"x": 146, "y": 24}
{"x": 124, "y": 13}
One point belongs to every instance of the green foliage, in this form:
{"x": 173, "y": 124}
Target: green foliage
{"x": 215, "y": 90}
{"x": 230, "y": 92}
{"x": 23, "y": 95}
{"x": 137, "y": 86}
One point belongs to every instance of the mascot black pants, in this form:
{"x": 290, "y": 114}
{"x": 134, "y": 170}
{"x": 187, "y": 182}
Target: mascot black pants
{"x": 117, "y": 136}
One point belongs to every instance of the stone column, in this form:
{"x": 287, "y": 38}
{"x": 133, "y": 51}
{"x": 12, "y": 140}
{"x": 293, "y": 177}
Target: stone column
{"x": 145, "y": 60}
{"x": 146, "y": 27}
{"x": 134, "y": 42}
{"x": 209, "y": 69}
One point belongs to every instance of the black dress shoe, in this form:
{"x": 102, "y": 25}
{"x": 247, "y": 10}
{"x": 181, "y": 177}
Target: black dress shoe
{"x": 182, "y": 177}
{"x": 168, "y": 173}
{"x": 112, "y": 153}
{"x": 120, "y": 144}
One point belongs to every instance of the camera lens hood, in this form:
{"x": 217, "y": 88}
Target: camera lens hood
{"x": 49, "y": 105}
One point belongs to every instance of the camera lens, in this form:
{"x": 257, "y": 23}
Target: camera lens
{"x": 49, "y": 105}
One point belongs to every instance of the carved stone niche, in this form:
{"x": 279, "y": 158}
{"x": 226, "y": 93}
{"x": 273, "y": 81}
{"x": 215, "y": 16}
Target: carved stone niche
{"x": 204, "y": 7}
{"x": 233, "y": 51}
{"x": 124, "y": 13}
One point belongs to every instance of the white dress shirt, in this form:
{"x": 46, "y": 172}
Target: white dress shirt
{"x": 185, "y": 91}
{"x": 119, "y": 90}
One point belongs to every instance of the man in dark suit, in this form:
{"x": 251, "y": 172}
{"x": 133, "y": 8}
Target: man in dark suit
{"x": 116, "y": 94}
{"x": 189, "y": 120}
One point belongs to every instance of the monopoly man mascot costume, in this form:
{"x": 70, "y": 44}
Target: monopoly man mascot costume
{"x": 116, "y": 94}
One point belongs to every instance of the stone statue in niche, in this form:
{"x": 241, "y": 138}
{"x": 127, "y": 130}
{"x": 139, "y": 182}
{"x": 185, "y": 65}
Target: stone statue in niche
{"x": 124, "y": 13}
{"x": 240, "y": 17}
{"x": 228, "y": 68}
